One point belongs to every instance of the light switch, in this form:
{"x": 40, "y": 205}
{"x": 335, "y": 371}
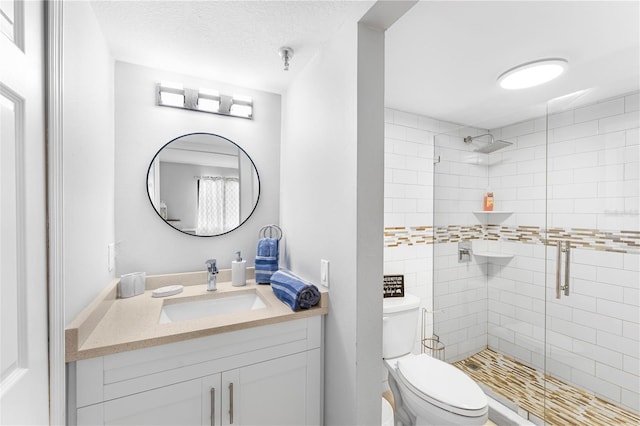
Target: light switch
{"x": 324, "y": 272}
{"x": 112, "y": 256}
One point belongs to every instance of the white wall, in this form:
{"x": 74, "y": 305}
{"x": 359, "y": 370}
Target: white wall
{"x": 88, "y": 162}
{"x": 331, "y": 208}
{"x": 145, "y": 242}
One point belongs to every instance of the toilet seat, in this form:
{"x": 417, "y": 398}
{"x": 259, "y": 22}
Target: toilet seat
{"x": 442, "y": 385}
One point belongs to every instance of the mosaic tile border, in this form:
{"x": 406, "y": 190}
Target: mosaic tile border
{"x": 585, "y": 238}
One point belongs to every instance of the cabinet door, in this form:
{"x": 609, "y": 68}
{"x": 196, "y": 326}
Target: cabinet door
{"x": 273, "y": 392}
{"x": 179, "y": 404}
{"x": 211, "y": 394}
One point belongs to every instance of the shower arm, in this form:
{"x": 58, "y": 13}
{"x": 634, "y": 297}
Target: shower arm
{"x": 468, "y": 139}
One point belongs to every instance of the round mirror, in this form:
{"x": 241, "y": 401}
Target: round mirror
{"x": 203, "y": 184}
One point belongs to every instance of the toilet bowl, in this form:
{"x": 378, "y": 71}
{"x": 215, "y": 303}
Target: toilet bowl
{"x": 426, "y": 391}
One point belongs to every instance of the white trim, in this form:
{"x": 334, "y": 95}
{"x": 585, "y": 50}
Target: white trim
{"x": 57, "y": 381}
{"x": 22, "y": 356}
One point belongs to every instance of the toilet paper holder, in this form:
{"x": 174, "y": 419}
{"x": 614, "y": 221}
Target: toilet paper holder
{"x": 432, "y": 345}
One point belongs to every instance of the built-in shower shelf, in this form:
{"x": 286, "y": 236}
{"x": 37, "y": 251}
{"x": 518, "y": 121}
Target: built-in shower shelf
{"x": 493, "y": 254}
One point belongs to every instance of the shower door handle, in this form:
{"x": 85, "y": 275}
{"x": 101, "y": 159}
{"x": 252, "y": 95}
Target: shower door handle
{"x": 567, "y": 261}
{"x": 558, "y": 269}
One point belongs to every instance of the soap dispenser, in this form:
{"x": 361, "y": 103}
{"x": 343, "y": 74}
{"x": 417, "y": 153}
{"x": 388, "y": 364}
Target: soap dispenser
{"x": 238, "y": 271}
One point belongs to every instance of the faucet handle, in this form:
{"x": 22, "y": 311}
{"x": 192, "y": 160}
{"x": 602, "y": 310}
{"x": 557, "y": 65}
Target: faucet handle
{"x": 211, "y": 266}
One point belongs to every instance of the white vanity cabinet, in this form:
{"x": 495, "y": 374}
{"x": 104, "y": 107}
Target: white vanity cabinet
{"x": 267, "y": 375}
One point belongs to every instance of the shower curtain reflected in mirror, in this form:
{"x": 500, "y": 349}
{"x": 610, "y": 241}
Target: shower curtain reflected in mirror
{"x": 218, "y": 205}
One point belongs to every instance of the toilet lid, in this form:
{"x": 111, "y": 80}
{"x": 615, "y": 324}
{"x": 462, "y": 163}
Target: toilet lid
{"x": 443, "y": 385}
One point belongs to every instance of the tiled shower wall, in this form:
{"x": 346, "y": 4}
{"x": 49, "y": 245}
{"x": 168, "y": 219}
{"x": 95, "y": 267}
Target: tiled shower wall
{"x": 593, "y": 188}
{"x": 409, "y": 221}
{"x": 408, "y": 199}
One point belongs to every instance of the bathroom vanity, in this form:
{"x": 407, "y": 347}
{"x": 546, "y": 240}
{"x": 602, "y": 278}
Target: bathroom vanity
{"x": 258, "y": 366}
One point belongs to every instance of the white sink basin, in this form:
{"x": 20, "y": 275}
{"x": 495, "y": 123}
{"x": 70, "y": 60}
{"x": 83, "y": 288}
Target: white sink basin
{"x": 181, "y": 311}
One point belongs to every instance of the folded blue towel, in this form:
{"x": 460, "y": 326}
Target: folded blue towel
{"x": 267, "y": 258}
{"x": 294, "y": 291}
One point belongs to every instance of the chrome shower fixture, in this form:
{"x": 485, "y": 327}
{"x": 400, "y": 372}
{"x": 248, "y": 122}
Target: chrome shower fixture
{"x": 492, "y": 146}
{"x": 286, "y": 53}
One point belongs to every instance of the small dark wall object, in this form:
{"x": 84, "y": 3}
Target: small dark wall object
{"x": 393, "y": 286}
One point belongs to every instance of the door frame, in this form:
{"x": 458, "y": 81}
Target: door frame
{"x": 54, "y": 143}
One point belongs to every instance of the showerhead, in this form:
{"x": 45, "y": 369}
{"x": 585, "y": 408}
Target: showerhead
{"x": 492, "y": 146}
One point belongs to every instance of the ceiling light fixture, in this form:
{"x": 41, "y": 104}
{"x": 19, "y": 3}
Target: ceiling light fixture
{"x": 286, "y": 53}
{"x": 532, "y": 73}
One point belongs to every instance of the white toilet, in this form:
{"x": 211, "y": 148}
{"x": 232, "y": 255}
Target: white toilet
{"x": 426, "y": 391}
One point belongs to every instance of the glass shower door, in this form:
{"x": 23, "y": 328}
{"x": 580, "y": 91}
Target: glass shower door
{"x": 592, "y": 238}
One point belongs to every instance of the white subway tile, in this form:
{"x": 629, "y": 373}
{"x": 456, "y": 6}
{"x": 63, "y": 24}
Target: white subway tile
{"x": 631, "y": 400}
{"x": 420, "y": 136}
{"x": 627, "y": 154}
{"x": 600, "y": 322}
{"x": 618, "y": 277}
{"x": 629, "y": 120}
{"x": 560, "y": 119}
{"x": 426, "y": 123}
{"x": 575, "y": 161}
{"x": 405, "y": 176}
{"x": 631, "y": 330}
{"x": 573, "y": 330}
{"x": 632, "y": 102}
{"x": 599, "y": 110}
{"x": 618, "y": 310}
{"x": 536, "y": 139}
{"x": 576, "y": 361}
{"x": 574, "y": 190}
{"x": 601, "y": 387}
{"x": 631, "y": 365}
{"x": 405, "y": 119}
{"x": 632, "y": 137}
{"x": 404, "y": 147}
{"x": 596, "y": 289}
{"x": 619, "y": 377}
{"x": 617, "y": 343}
{"x": 518, "y": 129}
{"x": 632, "y": 296}
{"x": 395, "y": 161}
{"x": 601, "y": 142}
{"x": 394, "y": 131}
{"x": 597, "y": 258}
{"x": 598, "y": 353}
{"x": 558, "y": 149}
{"x": 607, "y": 173}
{"x": 574, "y": 131}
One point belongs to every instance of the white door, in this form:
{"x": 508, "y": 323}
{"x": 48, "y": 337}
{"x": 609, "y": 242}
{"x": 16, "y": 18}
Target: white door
{"x": 23, "y": 280}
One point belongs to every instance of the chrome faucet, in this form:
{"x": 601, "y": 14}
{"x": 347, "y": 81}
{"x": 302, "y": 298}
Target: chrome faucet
{"x": 212, "y": 273}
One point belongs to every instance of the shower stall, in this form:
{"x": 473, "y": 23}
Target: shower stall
{"x": 538, "y": 299}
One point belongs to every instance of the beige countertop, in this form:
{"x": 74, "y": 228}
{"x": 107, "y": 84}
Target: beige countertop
{"x": 110, "y": 325}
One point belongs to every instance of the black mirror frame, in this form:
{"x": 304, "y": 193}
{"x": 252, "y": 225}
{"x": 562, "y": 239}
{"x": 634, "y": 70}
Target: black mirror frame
{"x": 221, "y": 137}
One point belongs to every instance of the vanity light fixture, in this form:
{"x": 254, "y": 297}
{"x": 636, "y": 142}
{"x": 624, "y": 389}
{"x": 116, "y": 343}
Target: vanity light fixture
{"x": 532, "y": 73}
{"x": 241, "y": 106}
{"x": 208, "y": 100}
{"x": 171, "y": 94}
{"x": 203, "y": 100}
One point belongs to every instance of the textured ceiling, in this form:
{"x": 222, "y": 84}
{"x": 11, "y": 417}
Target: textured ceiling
{"x": 235, "y": 42}
{"x": 443, "y": 57}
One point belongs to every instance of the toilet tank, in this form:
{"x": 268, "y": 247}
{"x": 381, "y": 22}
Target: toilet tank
{"x": 399, "y": 325}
